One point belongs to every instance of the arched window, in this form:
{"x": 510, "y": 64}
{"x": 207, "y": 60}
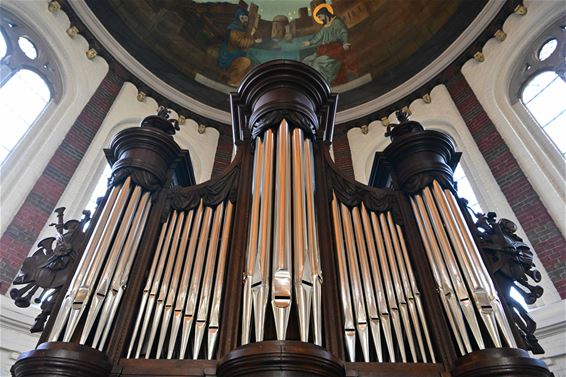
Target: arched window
{"x": 465, "y": 189}
{"x": 99, "y": 190}
{"x": 28, "y": 81}
{"x": 540, "y": 83}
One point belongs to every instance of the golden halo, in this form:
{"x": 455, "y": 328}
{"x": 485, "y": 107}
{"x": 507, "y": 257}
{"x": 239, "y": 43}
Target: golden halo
{"x": 319, "y": 7}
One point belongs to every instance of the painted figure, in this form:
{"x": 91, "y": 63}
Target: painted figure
{"x": 331, "y": 45}
{"x": 232, "y": 55}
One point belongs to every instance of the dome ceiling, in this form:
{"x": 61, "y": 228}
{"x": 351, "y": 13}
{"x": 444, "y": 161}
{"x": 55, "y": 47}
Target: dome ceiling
{"x": 364, "y": 48}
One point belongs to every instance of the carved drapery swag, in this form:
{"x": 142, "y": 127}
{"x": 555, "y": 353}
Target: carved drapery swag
{"x": 49, "y": 267}
{"x": 352, "y": 193}
{"x": 212, "y": 192}
{"x": 295, "y": 119}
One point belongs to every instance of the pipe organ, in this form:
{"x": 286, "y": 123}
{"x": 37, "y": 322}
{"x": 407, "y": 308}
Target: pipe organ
{"x": 281, "y": 266}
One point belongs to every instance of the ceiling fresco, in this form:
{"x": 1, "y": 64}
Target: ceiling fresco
{"x": 363, "y": 48}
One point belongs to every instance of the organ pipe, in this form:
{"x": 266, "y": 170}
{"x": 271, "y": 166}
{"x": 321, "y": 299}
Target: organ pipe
{"x": 260, "y": 277}
{"x": 357, "y": 289}
{"x": 213, "y": 324}
{"x": 202, "y": 313}
{"x": 88, "y": 255}
{"x": 252, "y": 242}
{"x": 417, "y": 297}
{"x": 194, "y": 289}
{"x": 370, "y": 299}
{"x": 442, "y": 278}
{"x": 281, "y": 286}
{"x": 389, "y": 287}
{"x": 302, "y": 267}
{"x": 181, "y": 298}
{"x": 120, "y": 279}
{"x": 345, "y": 294}
{"x": 312, "y": 236}
{"x": 147, "y": 288}
{"x": 384, "y": 317}
{"x": 172, "y": 293}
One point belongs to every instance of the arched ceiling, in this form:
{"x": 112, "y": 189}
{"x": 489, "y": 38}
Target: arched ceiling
{"x": 184, "y": 43}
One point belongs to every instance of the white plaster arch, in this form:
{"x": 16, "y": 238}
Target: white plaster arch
{"x": 490, "y": 80}
{"x": 126, "y": 112}
{"x": 80, "y": 78}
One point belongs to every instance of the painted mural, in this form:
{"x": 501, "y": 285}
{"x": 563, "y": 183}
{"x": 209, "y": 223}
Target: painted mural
{"x": 352, "y": 43}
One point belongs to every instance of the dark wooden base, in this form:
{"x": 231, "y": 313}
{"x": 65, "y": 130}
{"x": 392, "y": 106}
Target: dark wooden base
{"x": 280, "y": 359}
{"x": 500, "y": 362}
{"x": 62, "y": 359}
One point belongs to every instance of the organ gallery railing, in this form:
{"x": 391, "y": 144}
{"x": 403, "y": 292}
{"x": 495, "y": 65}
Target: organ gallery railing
{"x": 281, "y": 265}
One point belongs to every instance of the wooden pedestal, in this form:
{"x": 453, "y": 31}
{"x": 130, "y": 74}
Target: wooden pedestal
{"x": 280, "y": 359}
{"x": 62, "y": 359}
{"x": 500, "y": 362}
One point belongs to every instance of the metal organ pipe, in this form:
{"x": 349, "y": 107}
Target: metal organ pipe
{"x": 367, "y": 283}
{"x": 357, "y": 289}
{"x": 459, "y": 270}
{"x": 477, "y": 287}
{"x": 147, "y": 288}
{"x": 410, "y": 300}
{"x": 281, "y": 285}
{"x": 252, "y": 243}
{"x": 417, "y": 297}
{"x": 154, "y": 290}
{"x": 302, "y": 267}
{"x": 202, "y": 313}
{"x": 110, "y": 266}
{"x": 84, "y": 290}
{"x": 165, "y": 290}
{"x": 184, "y": 284}
{"x": 377, "y": 286}
{"x": 454, "y": 271}
{"x": 88, "y": 255}
{"x": 441, "y": 276}
{"x": 384, "y": 317}
{"x": 312, "y": 237}
{"x": 477, "y": 263}
{"x": 122, "y": 272}
{"x": 174, "y": 286}
{"x": 389, "y": 287}
{"x": 214, "y": 324}
{"x": 398, "y": 288}
{"x": 283, "y": 253}
{"x": 261, "y": 268}
{"x": 345, "y": 295}
{"x": 103, "y": 272}
{"x": 194, "y": 289}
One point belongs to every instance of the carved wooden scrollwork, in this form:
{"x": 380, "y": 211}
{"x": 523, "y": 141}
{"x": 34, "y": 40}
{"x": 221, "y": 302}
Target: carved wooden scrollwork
{"x": 511, "y": 263}
{"x": 49, "y": 267}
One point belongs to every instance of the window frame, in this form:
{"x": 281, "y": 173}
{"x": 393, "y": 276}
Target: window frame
{"x": 80, "y": 77}
{"x": 521, "y": 76}
{"x": 45, "y": 65}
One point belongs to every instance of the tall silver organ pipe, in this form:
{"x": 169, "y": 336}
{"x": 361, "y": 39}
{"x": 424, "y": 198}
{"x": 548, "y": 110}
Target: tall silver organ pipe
{"x": 183, "y": 294}
{"x": 261, "y": 268}
{"x": 286, "y": 258}
{"x": 104, "y": 269}
{"x": 379, "y": 292}
{"x": 461, "y": 277}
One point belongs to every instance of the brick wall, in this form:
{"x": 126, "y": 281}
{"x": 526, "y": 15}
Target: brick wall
{"x": 545, "y": 237}
{"x": 342, "y": 152}
{"x": 18, "y": 239}
{"x": 223, "y": 154}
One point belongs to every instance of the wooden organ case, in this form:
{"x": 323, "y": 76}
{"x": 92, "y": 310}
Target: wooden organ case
{"x": 281, "y": 266}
